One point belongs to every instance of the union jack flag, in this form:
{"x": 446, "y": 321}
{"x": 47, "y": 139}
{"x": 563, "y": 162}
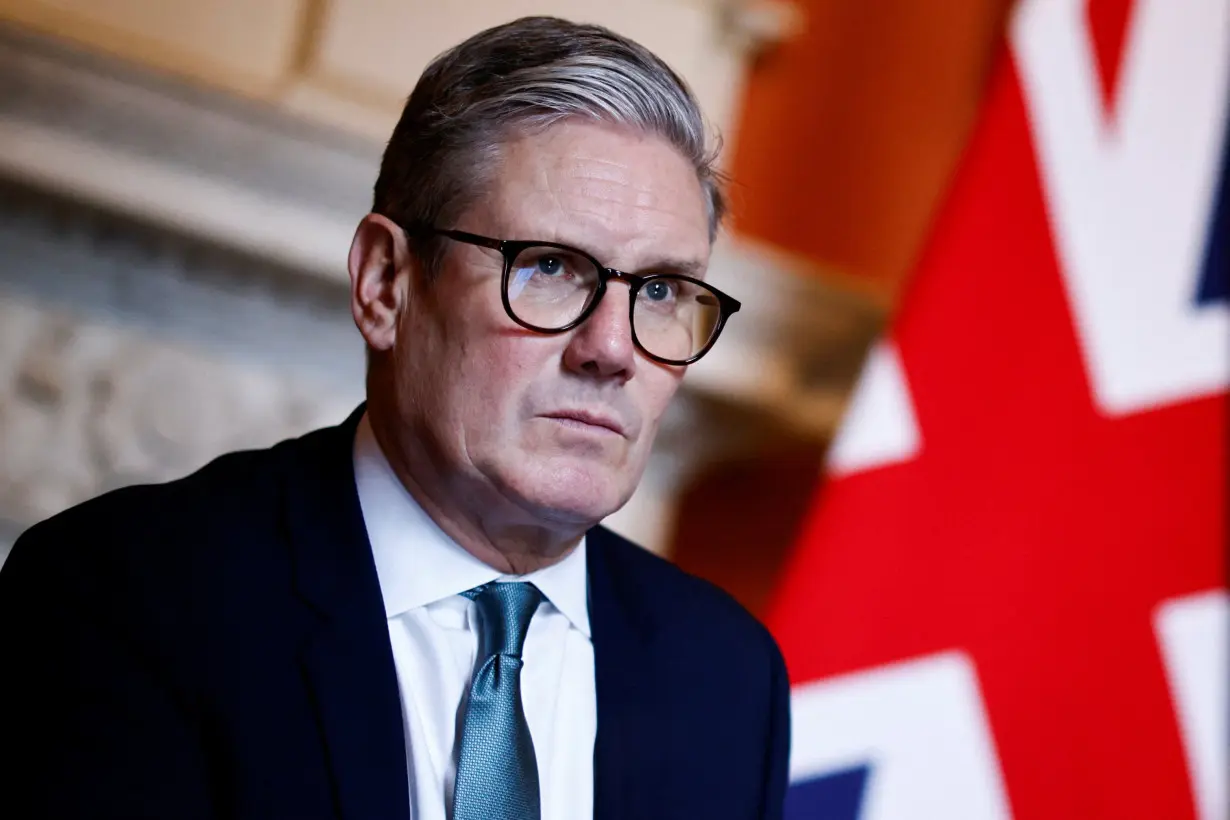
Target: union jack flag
{"x": 1010, "y": 599}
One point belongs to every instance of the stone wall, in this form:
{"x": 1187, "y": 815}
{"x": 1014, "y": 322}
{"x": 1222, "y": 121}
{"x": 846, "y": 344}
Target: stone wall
{"x": 131, "y": 355}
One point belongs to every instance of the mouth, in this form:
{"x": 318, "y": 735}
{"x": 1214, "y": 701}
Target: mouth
{"x": 586, "y": 420}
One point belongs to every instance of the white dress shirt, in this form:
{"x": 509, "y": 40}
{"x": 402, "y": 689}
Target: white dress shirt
{"x": 422, "y": 572}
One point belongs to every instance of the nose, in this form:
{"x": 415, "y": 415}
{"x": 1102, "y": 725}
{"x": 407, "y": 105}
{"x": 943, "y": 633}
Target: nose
{"x": 602, "y": 346}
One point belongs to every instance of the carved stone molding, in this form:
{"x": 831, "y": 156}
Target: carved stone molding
{"x": 131, "y": 354}
{"x": 230, "y": 171}
{"x": 86, "y": 407}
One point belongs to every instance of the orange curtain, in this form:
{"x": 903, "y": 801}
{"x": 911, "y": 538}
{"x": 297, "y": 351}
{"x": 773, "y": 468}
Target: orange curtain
{"x": 850, "y": 130}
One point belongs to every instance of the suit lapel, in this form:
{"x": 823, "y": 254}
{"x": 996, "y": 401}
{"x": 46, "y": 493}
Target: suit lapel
{"x": 629, "y": 753}
{"x": 348, "y": 663}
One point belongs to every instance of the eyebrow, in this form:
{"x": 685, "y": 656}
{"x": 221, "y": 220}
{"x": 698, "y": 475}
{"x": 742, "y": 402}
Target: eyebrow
{"x": 666, "y": 264}
{"x": 686, "y": 267}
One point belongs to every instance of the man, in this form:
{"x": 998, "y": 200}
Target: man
{"x": 416, "y": 614}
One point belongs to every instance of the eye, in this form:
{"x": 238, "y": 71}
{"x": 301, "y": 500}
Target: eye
{"x": 660, "y": 290}
{"x": 550, "y": 265}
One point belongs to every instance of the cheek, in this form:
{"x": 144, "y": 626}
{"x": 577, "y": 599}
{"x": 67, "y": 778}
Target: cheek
{"x": 467, "y": 362}
{"x": 441, "y": 379}
{"x": 494, "y": 382}
{"x": 659, "y": 386}
{"x": 663, "y": 386}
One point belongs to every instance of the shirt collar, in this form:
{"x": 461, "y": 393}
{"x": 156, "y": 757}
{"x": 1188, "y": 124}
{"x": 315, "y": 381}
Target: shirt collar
{"x": 417, "y": 563}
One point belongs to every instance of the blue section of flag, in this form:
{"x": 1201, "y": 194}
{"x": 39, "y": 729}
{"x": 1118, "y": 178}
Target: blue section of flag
{"x": 836, "y": 796}
{"x": 1215, "y": 277}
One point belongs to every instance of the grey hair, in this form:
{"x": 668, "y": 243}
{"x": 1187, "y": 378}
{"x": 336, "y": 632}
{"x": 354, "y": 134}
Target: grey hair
{"x": 526, "y": 75}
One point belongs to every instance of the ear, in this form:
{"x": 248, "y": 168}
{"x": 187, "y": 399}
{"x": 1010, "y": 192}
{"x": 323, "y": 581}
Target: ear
{"x": 379, "y": 266}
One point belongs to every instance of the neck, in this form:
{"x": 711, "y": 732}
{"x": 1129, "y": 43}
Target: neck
{"x": 492, "y": 528}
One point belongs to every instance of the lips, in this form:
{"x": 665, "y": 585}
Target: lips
{"x": 589, "y": 417}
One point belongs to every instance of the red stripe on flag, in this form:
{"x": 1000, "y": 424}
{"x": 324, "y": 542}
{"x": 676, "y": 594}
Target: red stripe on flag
{"x": 1108, "y": 22}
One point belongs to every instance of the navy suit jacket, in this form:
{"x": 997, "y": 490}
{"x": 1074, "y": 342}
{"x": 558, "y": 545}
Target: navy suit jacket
{"x": 216, "y": 647}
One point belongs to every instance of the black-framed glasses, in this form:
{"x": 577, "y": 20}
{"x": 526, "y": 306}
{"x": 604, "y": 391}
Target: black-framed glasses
{"x": 553, "y": 288}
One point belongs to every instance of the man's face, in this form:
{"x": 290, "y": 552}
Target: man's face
{"x": 560, "y": 424}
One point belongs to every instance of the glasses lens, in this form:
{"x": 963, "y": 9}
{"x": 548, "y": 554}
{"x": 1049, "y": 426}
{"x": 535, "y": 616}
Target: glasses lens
{"x": 675, "y": 318}
{"x": 550, "y": 288}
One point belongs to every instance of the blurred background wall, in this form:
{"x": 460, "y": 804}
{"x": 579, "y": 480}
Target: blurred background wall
{"x": 179, "y": 182}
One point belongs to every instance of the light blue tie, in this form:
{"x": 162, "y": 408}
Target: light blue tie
{"x": 497, "y": 774}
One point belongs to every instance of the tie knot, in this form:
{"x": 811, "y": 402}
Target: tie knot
{"x": 504, "y": 615}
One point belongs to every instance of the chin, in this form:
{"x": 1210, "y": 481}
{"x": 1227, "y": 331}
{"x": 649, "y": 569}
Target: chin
{"x": 569, "y": 489}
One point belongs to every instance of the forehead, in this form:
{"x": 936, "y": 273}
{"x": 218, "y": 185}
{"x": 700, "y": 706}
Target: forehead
{"x": 626, "y": 197}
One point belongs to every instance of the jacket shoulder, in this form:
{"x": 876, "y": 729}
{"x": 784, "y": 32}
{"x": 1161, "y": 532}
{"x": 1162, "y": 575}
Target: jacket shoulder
{"x": 227, "y": 484}
{"x": 183, "y": 530}
{"x": 680, "y": 602}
